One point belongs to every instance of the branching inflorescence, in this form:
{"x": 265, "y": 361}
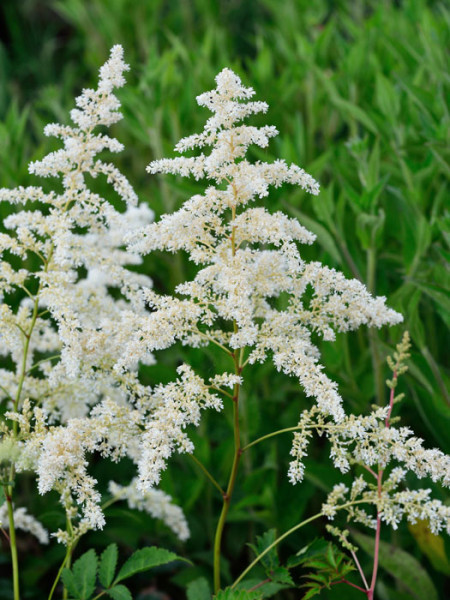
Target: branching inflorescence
{"x": 248, "y": 257}
{"x": 75, "y": 348}
{"x": 63, "y": 398}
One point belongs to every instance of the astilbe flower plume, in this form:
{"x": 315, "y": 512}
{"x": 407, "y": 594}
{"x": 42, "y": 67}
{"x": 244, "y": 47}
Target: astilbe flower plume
{"x": 247, "y": 257}
{"x": 381, "y": 447}
{"x": 63, "y": 397}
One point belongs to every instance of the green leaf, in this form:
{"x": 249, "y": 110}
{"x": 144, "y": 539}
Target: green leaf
{"x": 319, "y": 578}
{"x": 386, "y": 96}
{"x": 402, "y": 566}
{"x": 330, "y": 556}
{"x": 230, "y": 594}
{"x": 84, "y": 572}
{"x": 312, "y": 592}
{"x": 354, "y": 112}
{"x": 316, "y": 548}
{"x": 145, "y": 559}
{"x": 281, "y": 575}
{"x": 324, "y": 238}
{"x": 432, "y": 545}
{"x": 267, "y": 589}
{"x": 198, "y": 590}
{"x": 108, "y": 564}
{"x": 270, "y": 561}
{"x": 369, "y": 227}
{"x": 120, "y": 592}
{"x": 69, "y": 583}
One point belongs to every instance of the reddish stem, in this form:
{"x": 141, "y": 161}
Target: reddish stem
{"x": 355, "y": 586}
{"x": 391, "y": 402}
{"x": 371, "y": 590}
{"x": 348, "y": 583}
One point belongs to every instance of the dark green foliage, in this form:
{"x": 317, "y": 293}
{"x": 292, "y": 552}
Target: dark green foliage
{"x": 198, "y": 590}
{"x": 275, "y": 573}
{"x": 230, "y": 594}
{"x": 329, "y": 566}
{"x": 108, "y": 562}
{"x": 80, "y": 581}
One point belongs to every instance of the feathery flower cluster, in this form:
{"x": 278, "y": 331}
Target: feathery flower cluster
{"x": 374, "y": 443}
{"x": 154, "y": 502}
{"x": 247, "y": 258}
{"x": 25, "y": 522}
{"x": 392, "y": 504}
{"x": 64, "y": 397}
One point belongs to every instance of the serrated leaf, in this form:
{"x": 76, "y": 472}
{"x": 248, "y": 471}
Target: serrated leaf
{"x": 120, "y": 592}
{"x": 198, "y": 590}
{"x": 281, "y": 575}
{"x": 317, "y": 564}
{"x": 402, "y": 566}
{"x": 69, "y": 583}
{"x": 387, "y": 97}
{"x": 145, "y": 559}
{"x": 108, "y": 562}
{"x": 270, "y": 561}
{"x": 312, "y": 592}
{"x": 330, "y": 556}
{"x": 323, "y": 579}
{"x": 84, "y": 572}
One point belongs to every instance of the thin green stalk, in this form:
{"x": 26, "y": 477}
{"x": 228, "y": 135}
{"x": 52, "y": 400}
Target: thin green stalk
{"x": 208, "y": 475}
{"x": 237, "y": 357}
{"x": 42, "y": 361}
{"x": 324, "y": 427}
{"x": 12, "y": 528}
{"x": 269, "y": 435}
{"x": 64, "y": 564}
{"x": 230, "y": 489}
{"x": 12, "y": 543}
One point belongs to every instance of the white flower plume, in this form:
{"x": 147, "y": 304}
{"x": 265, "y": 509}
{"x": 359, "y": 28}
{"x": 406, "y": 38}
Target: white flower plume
{"x": 247, "y": 257}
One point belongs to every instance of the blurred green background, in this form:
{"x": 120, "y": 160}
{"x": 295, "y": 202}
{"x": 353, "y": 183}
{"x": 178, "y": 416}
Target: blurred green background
{"x": 358, "y": 91}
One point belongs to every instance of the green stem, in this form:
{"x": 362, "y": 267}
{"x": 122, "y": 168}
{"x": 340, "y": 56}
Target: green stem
{"x": 323, "y": 427}
{"x": 40, "y": 362}
{"x": 12, "y": 542}
{"x": 64, "y": 563}
{"x": 269, "y": 435}
{"x": 12, "y": 529}
{"x": 230, "y": 487}
{"x": 208, "y": 475}
{"x": 237, "y": 358}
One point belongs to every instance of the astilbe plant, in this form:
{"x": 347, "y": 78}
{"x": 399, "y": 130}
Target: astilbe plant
{"x": 248, "y": 257}
{"x": 75, "y": 348}
{"x": 62, "y": 254}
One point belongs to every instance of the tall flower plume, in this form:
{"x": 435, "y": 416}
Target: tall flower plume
{"x": 247, "y": 257}
{"x": 63, "y": 397}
